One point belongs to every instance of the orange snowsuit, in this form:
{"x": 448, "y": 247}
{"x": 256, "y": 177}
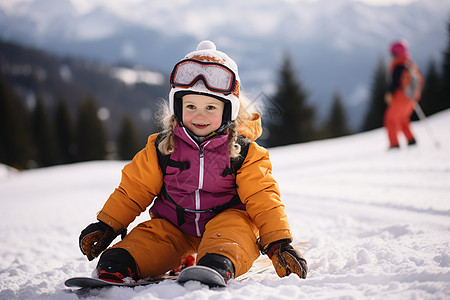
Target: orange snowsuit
{"x": 158, "y": 245}
{"x": 400, "y": 104}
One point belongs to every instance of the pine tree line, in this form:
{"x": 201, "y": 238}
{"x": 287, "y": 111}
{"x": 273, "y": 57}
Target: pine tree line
{"x": 39, "y": 137}
{"x": 295, "y": 120}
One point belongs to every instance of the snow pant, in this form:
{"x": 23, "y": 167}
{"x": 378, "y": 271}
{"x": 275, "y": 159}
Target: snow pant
{"x": 397, "y": 118}
{"x": 158, "y": 246}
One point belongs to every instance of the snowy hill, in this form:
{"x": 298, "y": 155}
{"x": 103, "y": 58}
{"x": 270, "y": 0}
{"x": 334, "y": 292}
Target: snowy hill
{"x": 335, "y": 44}
{"x": 378, "y": 223}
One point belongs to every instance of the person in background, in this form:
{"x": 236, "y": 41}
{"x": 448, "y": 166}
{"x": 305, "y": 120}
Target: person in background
{"x": 403, "y": 92}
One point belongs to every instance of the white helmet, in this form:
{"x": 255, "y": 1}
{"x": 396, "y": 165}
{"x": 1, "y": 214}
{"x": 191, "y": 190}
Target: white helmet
{"x": 206, "y": 71}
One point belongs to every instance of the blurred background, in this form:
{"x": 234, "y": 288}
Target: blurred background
{"x": 81, "y": 79}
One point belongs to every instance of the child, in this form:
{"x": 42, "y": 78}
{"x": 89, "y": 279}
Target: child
{"x": 404, "y": 91}
{"x": 199, "y": 203}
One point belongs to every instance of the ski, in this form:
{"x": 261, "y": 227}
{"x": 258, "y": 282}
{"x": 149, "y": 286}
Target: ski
{"x": 202, "y": 274}
{"x": 91, "y": 282}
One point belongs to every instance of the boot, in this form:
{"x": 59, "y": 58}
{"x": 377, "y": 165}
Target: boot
{"x": 412, "y": 142}
{"x": 222, "y": 264}
{"x": 116, "y": 264}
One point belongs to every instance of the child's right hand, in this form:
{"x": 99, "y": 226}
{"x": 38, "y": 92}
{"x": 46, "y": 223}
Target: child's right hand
{"x": 95, "y": 238}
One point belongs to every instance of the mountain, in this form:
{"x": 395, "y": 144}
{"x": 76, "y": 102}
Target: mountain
{"x": 118, "y": 90}
{"x": 335, "y": 44}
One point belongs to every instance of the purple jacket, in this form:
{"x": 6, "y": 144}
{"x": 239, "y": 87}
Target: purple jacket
{"x": 201, "y": 186}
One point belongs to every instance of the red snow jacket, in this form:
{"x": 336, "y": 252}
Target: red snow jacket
{"x": 406, "y": 79}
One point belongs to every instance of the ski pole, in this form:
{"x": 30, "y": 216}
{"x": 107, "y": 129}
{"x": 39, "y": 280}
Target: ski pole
{"x": 423, "y": 118}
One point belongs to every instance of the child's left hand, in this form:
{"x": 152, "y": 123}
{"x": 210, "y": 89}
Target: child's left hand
{"x": 286, "y": 260}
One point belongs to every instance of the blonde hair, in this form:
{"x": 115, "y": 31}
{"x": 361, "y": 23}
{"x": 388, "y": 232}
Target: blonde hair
{"x": 169, "y": 122}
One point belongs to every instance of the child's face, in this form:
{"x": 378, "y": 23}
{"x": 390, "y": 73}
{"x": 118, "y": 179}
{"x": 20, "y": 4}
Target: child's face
{"x": 202, "y": 114}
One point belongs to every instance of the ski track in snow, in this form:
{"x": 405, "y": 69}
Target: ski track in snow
{"x": 378, "y": 223}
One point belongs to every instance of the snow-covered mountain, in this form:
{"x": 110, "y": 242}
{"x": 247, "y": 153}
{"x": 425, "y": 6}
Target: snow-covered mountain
{"x": 335, "y": 44}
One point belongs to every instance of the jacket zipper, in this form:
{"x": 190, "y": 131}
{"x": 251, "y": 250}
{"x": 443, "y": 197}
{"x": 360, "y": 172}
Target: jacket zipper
{"x": 201, "y": 177}
{"x": 200, "y": 182}
{"x": 200, "y": 185}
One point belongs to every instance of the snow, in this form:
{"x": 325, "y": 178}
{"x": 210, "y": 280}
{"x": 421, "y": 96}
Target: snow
{"x": 133, "y": 76}
{"x": 378, "y": 222}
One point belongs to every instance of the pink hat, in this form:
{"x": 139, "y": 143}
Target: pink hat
{"x": 399, "y": 48}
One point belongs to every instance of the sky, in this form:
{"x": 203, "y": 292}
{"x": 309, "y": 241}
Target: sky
{"x": 84, "y": 6}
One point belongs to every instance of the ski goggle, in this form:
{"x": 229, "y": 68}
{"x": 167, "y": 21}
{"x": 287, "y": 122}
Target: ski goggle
{"x": 215, "y": 76}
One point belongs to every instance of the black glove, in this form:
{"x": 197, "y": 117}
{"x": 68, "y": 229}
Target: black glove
{"x": 286, "y": 259}
{"x": 95, "y": 238}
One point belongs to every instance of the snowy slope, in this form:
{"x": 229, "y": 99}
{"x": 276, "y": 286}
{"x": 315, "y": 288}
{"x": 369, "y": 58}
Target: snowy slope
{"x": 378, "y": 222}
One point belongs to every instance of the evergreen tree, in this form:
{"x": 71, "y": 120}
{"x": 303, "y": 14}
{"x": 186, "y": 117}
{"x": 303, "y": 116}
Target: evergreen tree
{"x": 337, "y": 121}
{"x": 377, "y": 105}
{"x": 44, "y": 138}
{"x": 91, "y": 134}
{"x": 431, "y": 100}
{"x": 128, "y": 141}
{"x": 65, "y": 132}
{"x": 15, "y": 144}
{"x": 445, "y": 84}
{"x": 296, "y": 124}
